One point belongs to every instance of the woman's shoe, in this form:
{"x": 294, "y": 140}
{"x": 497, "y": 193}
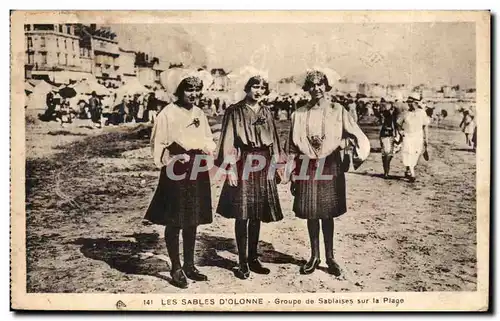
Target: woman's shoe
{"x": 243, "y": 272}
{"x": 333, "y": 267}
{"x": 193, "y": 274}
{"x": 256, "y": 266}
{"x": 310, "y": 266}
{"x": 179, "y": 279}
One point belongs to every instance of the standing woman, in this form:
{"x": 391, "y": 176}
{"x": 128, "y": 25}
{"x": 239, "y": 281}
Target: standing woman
{"x": 181, "y": 132}
{"x": 95, "y": 108}
{"x": 248, "y": 130}
{"x": 413, "y": 126}
{"x": 316, "y": 138}
{"x": 388, "y": 134}
{"x": 468, "y": 127}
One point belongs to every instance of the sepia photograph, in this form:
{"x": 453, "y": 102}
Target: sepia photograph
{"x": 250, "y": 161}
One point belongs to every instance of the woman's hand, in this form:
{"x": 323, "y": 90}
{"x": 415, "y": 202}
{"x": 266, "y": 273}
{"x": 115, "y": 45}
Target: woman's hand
{"x": 281, "y": 176}
{"x": 232, "y": 177}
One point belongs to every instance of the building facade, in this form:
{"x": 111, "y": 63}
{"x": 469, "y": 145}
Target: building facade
{"x": 149, "y": 69}
{"x": 345, "y": 86}
{"x": 126, "y": 62}
{"x": 52, "y": 52}
{"x": 63, "y": 53}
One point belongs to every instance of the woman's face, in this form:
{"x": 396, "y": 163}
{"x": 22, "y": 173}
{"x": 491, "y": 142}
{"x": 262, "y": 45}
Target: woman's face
{"x": 317, "y": 89}
{"x": 191, "y": 96}
{"x": 256, "y": 91}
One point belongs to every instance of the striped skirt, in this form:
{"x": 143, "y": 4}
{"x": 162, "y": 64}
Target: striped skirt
{"x": 320, "y": 199}
{"x": 255, "y": 197}
{"x": 181, "y": 203}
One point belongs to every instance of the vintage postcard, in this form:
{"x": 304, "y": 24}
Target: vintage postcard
{"x": 250, "y": 161}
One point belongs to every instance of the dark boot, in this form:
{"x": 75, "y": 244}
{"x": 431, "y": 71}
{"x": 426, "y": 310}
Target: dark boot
{"x": 189, "y": 239}
{"x": 310, "y": 266}
{"x": 328, "y": 233}
{"x": 179, "y": 279}
{"x": 172, "y": 243}
{"x": 333, "y": 267}
{"x": 313, "y": 263}
{"x": 243, "y": 271}
{"x": 192, "y": 273}
{"x": 256, "y": 266}
{"x": 241, "y": 231}
{"x": 253, "y": 241}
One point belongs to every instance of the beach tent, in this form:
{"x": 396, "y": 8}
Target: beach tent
{"x": 90, "y": 85}
{"x": 28, "y": 87}
{"x": 37, "y": 98}
{"x": 131, "y": 87}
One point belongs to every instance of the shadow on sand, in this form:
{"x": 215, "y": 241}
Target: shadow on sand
{"x": 470, "y": 150}
{"x": 379, "y": 175}
{"x": 129, "y": 256}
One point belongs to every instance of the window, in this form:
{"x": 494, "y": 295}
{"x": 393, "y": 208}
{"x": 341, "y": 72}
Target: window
{"x": 42, "y": 42}
{"x": 30, "y": 43}
{"x": 43, "y": 56}
{"x": 68, "y": 30}
{"x": 58, "y": 58}
{"x": 65, "y": 59}
{"x": 73, "y": 44}
{"x": 27, "y": 27}
{"x": 60, "y": 28}
{"x": 57, "y": 42}
{"x": 31, "y": 58}
{"x": 65, "y": 44}
{"x": 43, "y": 27}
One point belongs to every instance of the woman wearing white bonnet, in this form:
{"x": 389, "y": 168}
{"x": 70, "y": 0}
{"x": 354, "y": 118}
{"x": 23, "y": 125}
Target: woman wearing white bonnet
{"x": 181, "y": 132}
{"x": 316, "y": 138}
{"x": 248, "y": 131}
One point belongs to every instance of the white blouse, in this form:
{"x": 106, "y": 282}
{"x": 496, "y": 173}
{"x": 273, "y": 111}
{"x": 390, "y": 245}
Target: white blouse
{"x": 412, "y": 122}
{"x": 177, "y": 124}
{"x": 329, "y": 119}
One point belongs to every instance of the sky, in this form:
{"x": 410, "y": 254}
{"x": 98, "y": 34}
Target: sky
{"x": 434, "y": 54}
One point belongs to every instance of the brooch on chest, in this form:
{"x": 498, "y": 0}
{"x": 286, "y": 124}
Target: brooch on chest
{"x": 260, "y": 121}
{"x": 196, "y": 123}
{"x": 316, "y": 142}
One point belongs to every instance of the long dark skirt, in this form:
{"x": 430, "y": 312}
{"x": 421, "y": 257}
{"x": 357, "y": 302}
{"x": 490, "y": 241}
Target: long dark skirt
{"x": 95, "y": 115}
{"x": 320, "y": 199}
{"x": 254, "y": 198}
{"x": 182, "y": 203}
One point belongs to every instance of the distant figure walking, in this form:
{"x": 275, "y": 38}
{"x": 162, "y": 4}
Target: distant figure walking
{"x": 468, "y": 126}
{"x": 388, "y": 135}
{"x": 413, "y": 126}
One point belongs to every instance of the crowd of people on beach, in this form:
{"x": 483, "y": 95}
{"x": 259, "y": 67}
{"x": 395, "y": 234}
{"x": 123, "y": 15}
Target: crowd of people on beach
{"x": 103, "y": 111}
